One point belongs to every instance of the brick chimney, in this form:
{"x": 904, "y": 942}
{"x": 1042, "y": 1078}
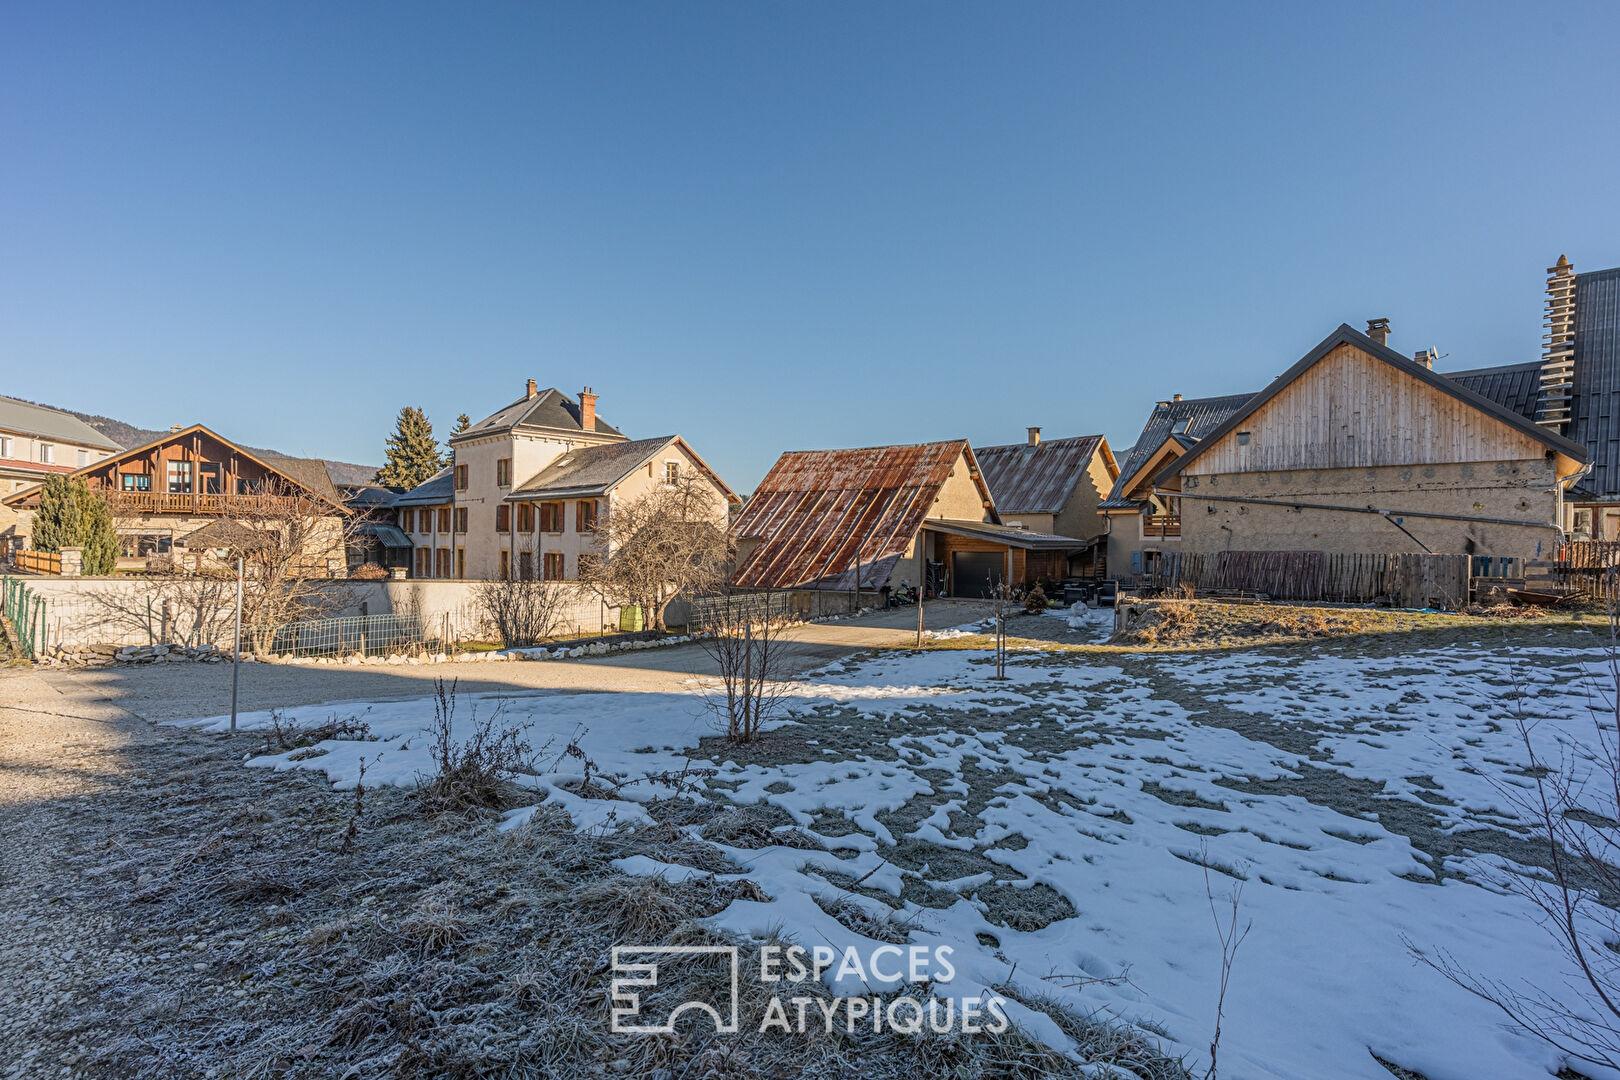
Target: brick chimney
{"x": 587, "y": 409}
{"x": 1378, "y": 330}
{"x": 531, "y": 390}
{"x": 1034, "y": 436}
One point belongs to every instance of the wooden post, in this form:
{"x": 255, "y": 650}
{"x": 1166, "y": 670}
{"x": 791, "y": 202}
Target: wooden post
{"x": 236, "y": 652}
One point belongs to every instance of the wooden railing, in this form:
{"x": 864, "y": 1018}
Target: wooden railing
{"x": 38, "y": 562}
{"x": 154, "y": 502}
{"x": 1161, "y": 525}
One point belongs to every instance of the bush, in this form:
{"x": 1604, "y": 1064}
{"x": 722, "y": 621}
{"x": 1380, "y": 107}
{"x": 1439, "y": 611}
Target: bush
{"x": 369, "y": 572}
{"x": 476, "y": 774}
{"x": 1035, "y": 600}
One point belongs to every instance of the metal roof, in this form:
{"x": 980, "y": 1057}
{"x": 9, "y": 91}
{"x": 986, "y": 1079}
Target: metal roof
{"x": 1036, "y": 479}
{"x": 1514, "y": 386}
{"x": 1165, "y": 422}
{"x": 1010, "y": 535}
{"x": 590, "y": 469}
{"x": 390, "y": 536}
{"x": 818, "y": 512}
{"x": 1595, "y": 412}
{"x": 26, "y": 418}
{"x": 436, "y": 489}
{"x": 550, "y": 409}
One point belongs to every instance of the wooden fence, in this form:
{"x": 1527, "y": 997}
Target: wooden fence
{"x": 38, "y": 562}
{"x": 1584, "y": 565}
{"x": 1404, "y": 580}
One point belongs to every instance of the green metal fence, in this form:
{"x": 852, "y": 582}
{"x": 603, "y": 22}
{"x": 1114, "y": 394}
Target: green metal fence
{"x": 25, "y": 609}
{"x": 354, "y": 635}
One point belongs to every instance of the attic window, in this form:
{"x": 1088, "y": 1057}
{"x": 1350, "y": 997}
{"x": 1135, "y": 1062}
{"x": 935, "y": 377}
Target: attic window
{"x": 1243, "y": 438}
{"x": 1182, "y": 428}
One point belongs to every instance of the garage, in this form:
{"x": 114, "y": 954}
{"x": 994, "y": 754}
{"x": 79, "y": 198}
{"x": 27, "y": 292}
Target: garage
{"x": 977, "y": 573}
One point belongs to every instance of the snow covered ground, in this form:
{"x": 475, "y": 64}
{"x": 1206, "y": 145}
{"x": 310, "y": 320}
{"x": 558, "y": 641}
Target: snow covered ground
{"x": 1051, "y": 829}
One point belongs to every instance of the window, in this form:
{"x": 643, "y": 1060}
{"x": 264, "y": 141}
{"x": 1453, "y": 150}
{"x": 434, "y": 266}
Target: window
{"x": 526, "y": 565}
{"x": 47, "y": 453}
{"x": 461, "y": 519}
{"x": 132, "y": 481}
{"x": 179, "y": 478}
{"x": 554, "y": 566}
{"x": 503, "y": 521}
{"x": 407, "y": 520}
{"x": 672, "y": 473}
{"x": 8, "y": 446}
{"x": 461, "y": 478}
{"x": 444, "y": 521}
{"x": 461, "y": 562}
{"x": 208, "y": 473}
{"x": 525, "y": 517}
{"x": 1243, "y": 438}
{"x": 585, "y": 515}
{"x": 244, "y": 486}
{"x": 503, "y": 472}
{"x": 83, "y": 458}
{"x": 442, "y": 558}
{"x": 422, "y": 556}
{"x": 551, "y": 517}
{"x": 506, "y": 564}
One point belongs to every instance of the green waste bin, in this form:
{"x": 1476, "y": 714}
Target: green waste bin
{"x": 630, "y": 618}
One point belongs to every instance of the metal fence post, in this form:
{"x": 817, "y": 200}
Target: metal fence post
{"x": 236, "y": 653}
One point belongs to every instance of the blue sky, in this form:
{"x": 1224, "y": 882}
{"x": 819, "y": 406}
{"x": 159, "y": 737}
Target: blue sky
{"x": 772, "y": 226}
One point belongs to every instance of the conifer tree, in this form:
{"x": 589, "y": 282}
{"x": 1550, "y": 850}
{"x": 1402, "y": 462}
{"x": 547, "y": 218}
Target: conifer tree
{"x": 463, "y": 422}
{"x": 413, "y": 453}
{"x": 96, "y": 533}
{"x": 56, "y": 522}
{"x": 72, "y": 515}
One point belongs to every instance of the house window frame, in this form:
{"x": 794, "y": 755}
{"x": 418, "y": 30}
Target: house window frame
{"x": 672, "y": 472}
{"x": 585, "y": 515}
{"x": 460, "y": 525}
{"x": 525, "y": 517}
{"x": 460, "y": 475}
{"x": 46, "y": 452}
{"x": 503, "y": 519}
{"x": 178, "y": 472}
{"x": 444, "y": 519}
{"x": 503, "y": 472}
{"x": 8, "y": 446}
{"x": 553, "y": 566}
{"x": 505, "y": 563}
{"x": 551, "y": 517}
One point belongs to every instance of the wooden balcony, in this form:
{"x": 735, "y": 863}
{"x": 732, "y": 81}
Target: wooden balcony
{"x": 1161, "y": 526}
{"x": 127, "y": 503}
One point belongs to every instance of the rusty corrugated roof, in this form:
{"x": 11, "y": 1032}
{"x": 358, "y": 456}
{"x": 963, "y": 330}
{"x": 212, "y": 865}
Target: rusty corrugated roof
{"x": 1037, "y": 479}
{"x": 817, "y": 509}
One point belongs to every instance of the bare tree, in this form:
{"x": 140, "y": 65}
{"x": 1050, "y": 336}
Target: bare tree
{"x": 189, "y": 609}
{"x": 1008, "y": 599}
{"x": 522, "y": 611}
{"x": 669, "y": 541}
{"x": 743, "y": 635}
{"x": 1574, "y": 807}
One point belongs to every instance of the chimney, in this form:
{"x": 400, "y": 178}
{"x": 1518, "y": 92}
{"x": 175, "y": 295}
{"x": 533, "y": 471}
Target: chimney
{"x": 1558, "y": 348}
{"x": 1034, "y": 436}
{"x": 587, "y": 409}
{"x": 1378, "y": 330}
{"x": 176, "y": 427}
{"x": 532, "y": 390}
{"x": 1424, "y": 359}
{"x": 1177, "y": 397}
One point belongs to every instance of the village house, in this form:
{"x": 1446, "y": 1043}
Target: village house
{"x": 1357, "y": 448}
{"x": 37, "y": 442}
{"x": 883, "y": 516}
{"x": 1055, "y": 487}
{"x": 170, "y": 497}
{"x": 528, "y": 484}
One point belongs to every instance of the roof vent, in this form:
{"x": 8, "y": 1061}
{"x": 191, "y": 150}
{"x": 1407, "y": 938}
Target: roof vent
{"x": 1378, "y": 330}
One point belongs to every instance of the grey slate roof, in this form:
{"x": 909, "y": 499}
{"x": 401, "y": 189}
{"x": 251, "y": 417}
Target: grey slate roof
{"x": 1186, "y": 421}
{"x": 26, "y": 418}
{"x": 430, "y": 492}
{"x": 1514, "y": 386}
{"x": 590, "y": 470}
{"x": 1036, "y": 479}
{"x": 1595, "y": 414}
{"x": 550, "y": 409}
{"x": 310, "y": 472}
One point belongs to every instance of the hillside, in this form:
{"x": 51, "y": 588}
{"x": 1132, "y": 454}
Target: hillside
{"x": 128, "y": 435}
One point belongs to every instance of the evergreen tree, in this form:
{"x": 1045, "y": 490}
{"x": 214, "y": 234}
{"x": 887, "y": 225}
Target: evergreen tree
{"x": 463, "y": 422}
{"x": 72, "y": 515}
{"x": 413, "y": 453}
{"x": 96, "y": 533}
{"x": 56, "y": 522}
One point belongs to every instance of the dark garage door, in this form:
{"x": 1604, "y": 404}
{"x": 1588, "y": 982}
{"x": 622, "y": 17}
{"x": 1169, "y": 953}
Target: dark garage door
{"x": 975, "y": 573}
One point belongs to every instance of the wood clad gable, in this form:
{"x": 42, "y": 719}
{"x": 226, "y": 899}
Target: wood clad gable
{"x": 1351, "y": 403}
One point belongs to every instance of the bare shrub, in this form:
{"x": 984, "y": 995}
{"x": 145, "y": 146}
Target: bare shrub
{"x": 522, "y": 612}
{"x": 476, "y": 773}
{"x": 745, "y": 639}
{"x": 1035, "y": 600}
{"x": 1573, "y": 805}
{"x": 289, "y": 734}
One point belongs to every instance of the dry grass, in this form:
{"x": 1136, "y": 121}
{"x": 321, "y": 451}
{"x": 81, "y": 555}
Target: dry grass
{"x": 432, "y": 947}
